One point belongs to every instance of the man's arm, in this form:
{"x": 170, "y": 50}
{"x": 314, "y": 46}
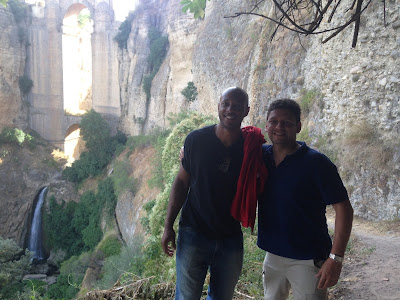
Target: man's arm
{"x": 177, "y": 197}
{"x": 330, "y": 270}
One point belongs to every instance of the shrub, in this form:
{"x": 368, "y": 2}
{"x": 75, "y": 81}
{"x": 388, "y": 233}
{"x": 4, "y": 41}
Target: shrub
{"x": 156, "y": 263}
{"x": 106, "y": 196}
{"x": 24, "y": 82}
{"x": 308, "y": 98}
{"x": 111, "y": 246}
{"x": 123, "y": 31}
{"x": 121, "y": 179}
{"x": 14, "y": 264}
{"x": 158, "y": 51}
{"x": 190, "y": 92}
{"x": 117, "y": 267}
{"x": 71, "y": 275}
{"x": 15, "y": 136}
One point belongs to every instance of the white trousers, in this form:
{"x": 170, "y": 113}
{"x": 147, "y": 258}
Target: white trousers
{"x": 281, "y": 273}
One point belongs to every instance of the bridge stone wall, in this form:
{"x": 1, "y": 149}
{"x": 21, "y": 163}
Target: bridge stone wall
{"x": 44, "y": 66}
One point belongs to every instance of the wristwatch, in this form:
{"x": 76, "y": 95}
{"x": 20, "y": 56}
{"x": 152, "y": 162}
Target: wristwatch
{"x": 336, "y": 258}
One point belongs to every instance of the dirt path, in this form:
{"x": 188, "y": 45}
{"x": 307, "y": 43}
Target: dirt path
{"x": 372, "y": 267}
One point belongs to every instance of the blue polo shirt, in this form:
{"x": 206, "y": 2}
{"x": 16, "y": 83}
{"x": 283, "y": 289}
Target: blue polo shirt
{"x": 291, "y": 215}
{"x": 214, "y": 171}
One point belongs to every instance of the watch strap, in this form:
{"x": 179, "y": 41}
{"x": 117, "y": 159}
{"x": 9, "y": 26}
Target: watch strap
{"x": 336, "y": 258}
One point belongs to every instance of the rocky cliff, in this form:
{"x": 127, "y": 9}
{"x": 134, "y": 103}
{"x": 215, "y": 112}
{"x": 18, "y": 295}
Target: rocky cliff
{"x": 350, "y": 96}
{"x": 23, "y": 172}
{"x": 12, "y": 64}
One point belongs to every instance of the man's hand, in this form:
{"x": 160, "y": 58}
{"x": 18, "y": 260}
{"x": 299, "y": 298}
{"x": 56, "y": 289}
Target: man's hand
{"x": 167, "y": 238}
{"x": 329, "y": 273}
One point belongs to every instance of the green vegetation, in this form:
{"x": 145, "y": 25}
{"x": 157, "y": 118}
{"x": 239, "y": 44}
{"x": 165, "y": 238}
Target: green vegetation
{"x": 196, "y": 7}
{"x": 84, "y": 18}
{"x": 16, "y": 136}
{"x": 25, "y": 84}
{"x": 71, "y": 275}
{"x": 124, "y": 30}
{"x": 308, "y": 98}
{"x": 18, "y": 9}
{"x": 100, "y": 147}
{"x": 158, "y": 51}
{"x": 75, "y": 227}
{"x": 304, "y": 135}
{"x": 121, "y": 179}
{"x": 111, "y": 246}
{"x": 157, "y": 264}
{"x": 190, "y": 92}
{"x": 14, "y": 264}
{"x": 4, "y": 2}
{"x": 126, "y": 264}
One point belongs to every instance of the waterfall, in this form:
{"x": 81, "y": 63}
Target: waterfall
{"x": 35, "y": 240}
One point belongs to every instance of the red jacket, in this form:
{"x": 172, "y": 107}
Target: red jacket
{"x": 253, "y": 175}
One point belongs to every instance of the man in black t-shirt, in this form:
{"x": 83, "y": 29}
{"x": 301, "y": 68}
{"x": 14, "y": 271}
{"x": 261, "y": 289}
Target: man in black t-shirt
{"x": 209, "y": 237}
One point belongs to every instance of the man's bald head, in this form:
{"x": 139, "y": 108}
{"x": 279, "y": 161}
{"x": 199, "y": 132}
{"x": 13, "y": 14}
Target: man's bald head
{"x": 237, "y": 93}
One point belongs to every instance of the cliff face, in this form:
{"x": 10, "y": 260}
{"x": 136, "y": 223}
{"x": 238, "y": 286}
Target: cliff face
{"x": 12, "y": 63}
{"x": 23, "y": 172}
{"x": 350, "y": 95}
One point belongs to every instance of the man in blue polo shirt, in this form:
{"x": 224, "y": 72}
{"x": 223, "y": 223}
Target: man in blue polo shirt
{"x": 292, "y": 224}
{"x": 209, "y": 237}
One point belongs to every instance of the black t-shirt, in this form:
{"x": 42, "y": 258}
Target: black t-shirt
{"x": 214, "y": 171}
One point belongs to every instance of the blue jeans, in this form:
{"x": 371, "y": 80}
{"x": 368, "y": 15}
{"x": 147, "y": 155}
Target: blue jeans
{"x": 196, "y": 254}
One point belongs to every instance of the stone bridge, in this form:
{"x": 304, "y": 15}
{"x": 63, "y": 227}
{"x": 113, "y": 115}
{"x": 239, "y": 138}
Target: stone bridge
{"x": 54, "y": 105}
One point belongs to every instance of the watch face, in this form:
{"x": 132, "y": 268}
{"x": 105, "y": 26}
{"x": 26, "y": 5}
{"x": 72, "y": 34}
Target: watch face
{"x": 336, "y": 257}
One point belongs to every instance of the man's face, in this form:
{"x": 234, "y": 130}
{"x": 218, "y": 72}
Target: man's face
{"x": 282, "y": 127}
{"x": 232, "y": 110}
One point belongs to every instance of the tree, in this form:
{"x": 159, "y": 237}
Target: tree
{"x": 190, "y": 92}
{"x": 95, "y": 131}
{"x": 301, "y": 16}
{"x": 14, "y": 264}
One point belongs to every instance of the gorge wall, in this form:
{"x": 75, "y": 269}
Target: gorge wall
{"x": 352, "y": 113}
{"x": 350, "y": 96}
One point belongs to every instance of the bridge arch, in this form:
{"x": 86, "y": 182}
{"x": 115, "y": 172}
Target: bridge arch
{"x": 73, "y": 145}
{"x": 47, "y": 114}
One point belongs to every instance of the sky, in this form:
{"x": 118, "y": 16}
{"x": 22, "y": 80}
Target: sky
{"x": 122, "y": 8}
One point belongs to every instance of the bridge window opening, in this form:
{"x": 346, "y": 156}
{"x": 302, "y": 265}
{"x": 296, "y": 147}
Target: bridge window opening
{"x": 77, "y": 60}
{"x": 73, "y": 145}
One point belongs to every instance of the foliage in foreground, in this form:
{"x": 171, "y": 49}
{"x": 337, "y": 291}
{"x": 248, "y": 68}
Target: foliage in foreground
{"x": 14, "y": 264}
{"x": 71, "y": 275}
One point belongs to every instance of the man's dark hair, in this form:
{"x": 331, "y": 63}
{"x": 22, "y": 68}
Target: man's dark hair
{"x": 287, "y": 104}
